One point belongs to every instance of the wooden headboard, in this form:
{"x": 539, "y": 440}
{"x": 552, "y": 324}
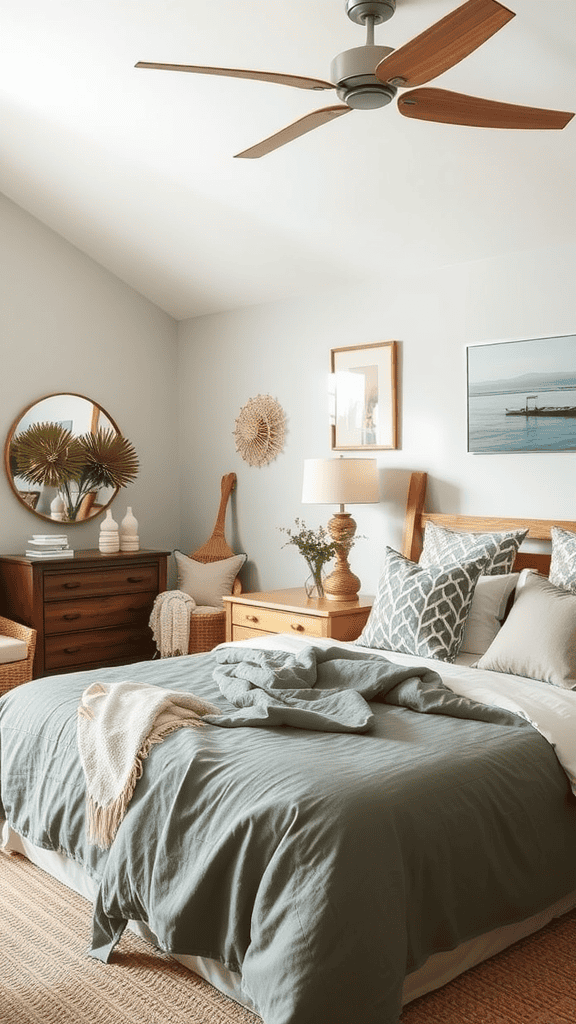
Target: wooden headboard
{"x": 416, "y": 519}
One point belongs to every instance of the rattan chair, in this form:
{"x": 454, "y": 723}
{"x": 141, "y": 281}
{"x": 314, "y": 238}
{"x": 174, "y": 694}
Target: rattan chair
{"x": 12, "y": 673}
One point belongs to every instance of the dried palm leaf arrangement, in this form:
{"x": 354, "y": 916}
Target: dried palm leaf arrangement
{"x": 49, "y": 454}
{"x": 260, "y": 430}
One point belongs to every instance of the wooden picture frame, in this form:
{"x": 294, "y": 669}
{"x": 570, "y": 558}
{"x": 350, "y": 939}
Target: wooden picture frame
{"x": 364, "y": 394}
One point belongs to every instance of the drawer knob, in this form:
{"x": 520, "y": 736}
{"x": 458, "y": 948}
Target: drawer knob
{"x": 70, "y": 616}
{"x": 71, "y": 650}
{"x": 72, "y": 586}
{"x": 297, "y": 626}
{"x": 252, "y": 618}
{"x": 135, "y": 579}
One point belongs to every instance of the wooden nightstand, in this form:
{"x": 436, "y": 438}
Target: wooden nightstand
{"x": 291, "y": 611}
{"x": 89, "y": 610}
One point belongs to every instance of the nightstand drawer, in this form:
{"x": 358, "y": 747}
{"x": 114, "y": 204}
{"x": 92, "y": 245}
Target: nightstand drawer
{"x": 272, "y": 620}
{"x": 95, "y": 582}
{"x": 242, "y": 633}
{"x": 291, "y": 611}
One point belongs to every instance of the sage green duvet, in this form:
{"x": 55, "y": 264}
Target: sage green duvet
{"x": 321, "y": 866}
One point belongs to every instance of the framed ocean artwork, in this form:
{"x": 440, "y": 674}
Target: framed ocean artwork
{"x": 522, "y": 395}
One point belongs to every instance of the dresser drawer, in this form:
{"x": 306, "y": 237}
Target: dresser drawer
{"x": 99, "y": 612}
{"x": 273, "y": 620}
{"x": 117, "y": 644}
{"x": 96, "y": 582}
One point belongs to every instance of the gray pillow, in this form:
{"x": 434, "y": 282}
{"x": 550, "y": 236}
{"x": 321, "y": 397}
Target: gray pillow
{"x": 487, "y": 611}
{"x": 421, "y": 610}
{"x": 563, "y": 561}
{"x": 538, "y": 639}
{"x": 499, "y": 549}
{"x": 207, "y": 582}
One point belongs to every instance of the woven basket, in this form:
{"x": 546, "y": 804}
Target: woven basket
{"x": 15, "y": 672}
{"x": 207, "y": 630}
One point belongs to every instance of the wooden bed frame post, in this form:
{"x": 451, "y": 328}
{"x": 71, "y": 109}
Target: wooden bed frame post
{"x": 412, "y": 542}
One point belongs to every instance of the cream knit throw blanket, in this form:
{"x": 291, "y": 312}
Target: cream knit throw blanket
{"x": 117, "y": 725}
{"x": 170, "y": 622}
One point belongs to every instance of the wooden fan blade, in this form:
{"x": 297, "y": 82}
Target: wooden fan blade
{"x": 444, "y": 44}
{"x": 298, "y": 81}
{"x": 456, "y": 108}
{"x": 294, "y": 130}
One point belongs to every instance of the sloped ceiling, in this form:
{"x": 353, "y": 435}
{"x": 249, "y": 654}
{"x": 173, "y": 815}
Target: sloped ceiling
{"x": 136, "y": 167}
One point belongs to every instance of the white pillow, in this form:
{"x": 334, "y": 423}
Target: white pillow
{"x": 487, "y": 612}
{"x": 538, "y": 639}
{"x": 207, "y": 582}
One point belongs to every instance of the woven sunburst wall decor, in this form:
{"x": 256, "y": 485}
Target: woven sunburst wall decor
{"x": 260, "y": 430}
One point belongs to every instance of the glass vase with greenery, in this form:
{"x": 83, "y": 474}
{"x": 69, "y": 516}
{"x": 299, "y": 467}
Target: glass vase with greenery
{"x": 316, "y": 547}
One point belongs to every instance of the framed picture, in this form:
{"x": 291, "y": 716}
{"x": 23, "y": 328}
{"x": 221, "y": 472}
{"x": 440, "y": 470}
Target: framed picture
{"x": 364, "y": 413}
{"x": 522, "y": 395}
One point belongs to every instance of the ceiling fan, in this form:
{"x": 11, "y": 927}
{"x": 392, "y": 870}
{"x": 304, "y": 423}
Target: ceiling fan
{"x": 369, "y": 76}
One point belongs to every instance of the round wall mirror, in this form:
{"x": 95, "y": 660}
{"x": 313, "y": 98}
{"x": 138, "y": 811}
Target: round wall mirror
{"x": 66, "y": 459}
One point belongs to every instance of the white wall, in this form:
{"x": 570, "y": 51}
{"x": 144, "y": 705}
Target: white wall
{"x": 284, "y": 350}
{"x": 68, "y": 325}
{"x": 175, "y": 390}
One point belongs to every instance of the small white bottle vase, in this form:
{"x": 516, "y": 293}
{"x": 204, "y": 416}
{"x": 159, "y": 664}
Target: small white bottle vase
{"x": 129, "y": 540}
{"x": 58, "y": 509}
{"x": 109, "y": 536}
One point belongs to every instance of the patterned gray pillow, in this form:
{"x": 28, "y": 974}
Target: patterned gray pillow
{"x": 442, "y": 546}
{"x": 421, "y": 610}
{"x": 563, "y": 561}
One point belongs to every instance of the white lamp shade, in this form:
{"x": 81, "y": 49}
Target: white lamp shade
{"x": 340, "y": 482}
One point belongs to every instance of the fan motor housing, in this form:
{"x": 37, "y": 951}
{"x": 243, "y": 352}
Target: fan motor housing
{"x": 352, "y": 72}
{"x": 360, "y": 10}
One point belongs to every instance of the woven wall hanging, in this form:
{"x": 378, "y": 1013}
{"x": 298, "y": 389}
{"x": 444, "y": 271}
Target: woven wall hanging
{"x": 260, "y": 430}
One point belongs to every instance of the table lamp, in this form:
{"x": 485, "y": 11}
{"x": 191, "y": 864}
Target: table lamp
{"x": 341, "y": 482}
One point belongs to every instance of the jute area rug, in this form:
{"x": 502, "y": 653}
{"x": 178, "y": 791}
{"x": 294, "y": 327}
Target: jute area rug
{"x": 45, "y": 977}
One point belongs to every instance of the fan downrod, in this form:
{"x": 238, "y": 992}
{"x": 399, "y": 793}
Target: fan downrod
{"x": 379, "y": 10}
{"x": 352, "y": 71}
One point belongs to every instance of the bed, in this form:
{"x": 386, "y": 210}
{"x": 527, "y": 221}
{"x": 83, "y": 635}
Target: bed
{"x": 335, "y": 873}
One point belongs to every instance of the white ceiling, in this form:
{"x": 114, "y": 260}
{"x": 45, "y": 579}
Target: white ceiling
{"x": 136, "y": 168}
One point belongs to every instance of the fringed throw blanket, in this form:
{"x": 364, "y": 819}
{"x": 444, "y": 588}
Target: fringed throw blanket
{"x": 170, "y": 622}
{"x": 117, "y": 725}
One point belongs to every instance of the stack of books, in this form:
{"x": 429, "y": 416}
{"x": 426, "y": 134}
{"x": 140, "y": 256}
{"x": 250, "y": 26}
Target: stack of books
{"x": 48, "y": 545}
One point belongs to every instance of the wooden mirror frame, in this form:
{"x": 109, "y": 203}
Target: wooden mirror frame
{"x": 92, "y": 508}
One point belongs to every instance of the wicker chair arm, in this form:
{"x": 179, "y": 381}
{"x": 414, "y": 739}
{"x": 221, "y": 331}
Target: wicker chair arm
{"x": 16, "y": 672}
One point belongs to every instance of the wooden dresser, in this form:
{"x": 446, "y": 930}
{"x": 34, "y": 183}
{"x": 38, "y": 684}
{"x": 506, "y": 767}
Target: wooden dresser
{"x": 89, "y": 610}
{"x": 291, "y": 611}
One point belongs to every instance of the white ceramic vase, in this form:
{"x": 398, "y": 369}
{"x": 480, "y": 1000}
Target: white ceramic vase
{"x": 109, "y": 535}
{"x": 129, "y": 540}
{"x": 58, "y": 509}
